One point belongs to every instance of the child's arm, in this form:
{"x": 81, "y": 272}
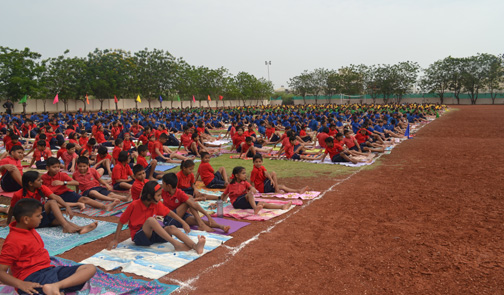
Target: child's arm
{"x": 62, "y": 203}
{"x": 103, "y": 182}
{"x": 185, "y": 226}
{"x": 8, "y": 279}
{"x": 72, "y": 169}
{"x": 32, "y": 161}
{"x": 9, "y": 216}
{"x": 196, "y": 177}
{"x": 253, "y": 190}
{"x": 224, "y": 197}
{"x": 113, "y": 243}
{"x": 158, "y": 153}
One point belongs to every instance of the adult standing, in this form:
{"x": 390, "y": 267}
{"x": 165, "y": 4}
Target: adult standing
{"x": 8, "y": 105}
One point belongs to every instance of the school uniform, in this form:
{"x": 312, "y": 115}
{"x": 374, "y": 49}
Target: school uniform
{"x": 211, "y": 179}
{"x": 237, "y": 195}
{"x": 173, "y": 202}
{"x": 135, "y": 216}
{"x": 89, "y": 182}
{"x": 121, "y": 171}
{"x": 63, "y": 191}
{"x": 334, "y": 153}
{"x": 40, "y": 195}
{"x": 67, "y": 159}
{"x": 185, "y": 182}
{"x": 41, "y": 158}
{"x": 8, "y": 183}
{"x": 261, "y": 183}
{"x": 136, "y": 188}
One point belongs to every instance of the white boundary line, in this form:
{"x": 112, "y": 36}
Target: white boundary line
{"x": 188, "y": 284}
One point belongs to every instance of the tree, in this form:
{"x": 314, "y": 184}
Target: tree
{"x": 385, "y": 80}
{"x": 19, "y": 70}
{"x": 369, "y": 79}
{"x": 456, "y": 68}
{"x": 437, "y": 79}
{"x": 405, "y": 75}
{"x": 302, "y": 85}
{"x": 346, "y": 81}
{"x": 319, "y": 82}
{"x": 495, "y": 75}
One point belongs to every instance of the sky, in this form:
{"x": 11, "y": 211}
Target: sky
{"x": 241, "y": 35}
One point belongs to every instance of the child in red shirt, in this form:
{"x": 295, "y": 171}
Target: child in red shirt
{"x": 40, "y": 155}
{"x": 140, "y": 181}
{"x": 265, "y": 182}
{"x": 241, "y": 194}
{"x": 145, "y": 229}
{"x": 150, "y": 168}
{"x": 186, "y": 182}
{"x": 218, "y": 179}
{"x": 117, "y": 149}
{"x": 83, "y": 140}
{"x": 177, "y": 201}
{"x": 69, "y": 157}
{"x": 103, "y": 160}
{"x": 122, "y": 176}
{"x": 12, "y": 170}
{"x": 23, "y": 252}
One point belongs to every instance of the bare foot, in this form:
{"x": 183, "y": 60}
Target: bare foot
{"x": 303, "y": 190}
{"x": 88, "y": 228}
{"x": 205, "y": 228}
{"x": 123, "y": 198}
{"x": 81, "y": 206}
{"x": 287, "y": 206}
{"x": 70, "y": 229}
{"x": 50, "y": 289}
{"x": 180, "y": 246}
{"x": 199, "y": 247}
{"x": 226, "y": 228}
{"x": 111, "y": 206}
{"x": 257, "y": 209}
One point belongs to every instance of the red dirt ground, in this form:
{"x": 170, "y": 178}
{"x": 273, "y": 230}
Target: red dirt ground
{"x": 427, "y": 220}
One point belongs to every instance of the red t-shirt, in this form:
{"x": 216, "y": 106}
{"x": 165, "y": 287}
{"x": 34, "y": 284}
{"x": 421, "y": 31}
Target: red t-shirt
{"x": 100, "y": 138}
{"x": 32, "y": 195}
{"x": 67, "y": 158}
{"x": 302, "y": 133}
{"x": 38, "y": 155}
{"x": 136, "y": 214}
{"x": 10, "y": 144}
{"x": 115, "y": 153}
{"x": 269, "y": 132}
{"x": 115, "y": 132}
{"x": 361, "y": 138}
{"x": 245, "y": 146}
{"x": 175, "y": 200}
{"x": 100, "y": 158}
{"x": 238, "y": 139}
{"x": 335, "y": 150}
{"x": 127, "y": 144}
{"x": 332, "y": 132}
{"x": 321, "y": 139}
{"x": 11, "y": 160}
{"x": 200, "y": 130}
{"x": 185, "y": 181}
{"x": 258, "y": 178}
{"x": 142, "y": 161}
{"x": 186, "y": 140}
{"x": 24, "y": 251}
{"x": 135, "y": 129}
{"x": 83, "y": 141}
{"x": 348, "y": 141}
{"x": 157, "y": 145}
{"x": 234, "y": 190}
{"x": 206, "y": 172}
{"x": 47, "y": 180}
{"x": 120, "y": 171}
{"x": 150, "y": 147}
{"x": 136, "y": 188}
{"x": 87, "y": 180}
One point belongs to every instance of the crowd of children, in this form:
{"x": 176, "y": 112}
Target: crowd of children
{"x": 159, "y": 210}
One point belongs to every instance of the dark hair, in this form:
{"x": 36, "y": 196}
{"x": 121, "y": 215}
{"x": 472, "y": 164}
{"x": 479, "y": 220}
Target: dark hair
{"x": 163, "y": 136}
{"x": 83, "y": 160}
{"x": 338, "y": 134}
{"x": 70, "y": 146}
{"x": 329, "y": 139}
{"x": 41, "y": 143}
{"x": 15, "y": 148}
{"x": 52, "y": 161}
{"x": 186, "y": 164}
{"x": 203, "y": 154}
{"x": 118, "y": 141}
{"x": 257, "y": 156}
{"x": 102, "y": 150}
{"x": 248, "y": 139}
{"x": 30, "y": 176}
{"x": 123, "y": 156}
{"x": 137, "y": 168}
{"x": 14, "y": 137}
{"x": 292, "y": 138}
{"x": 91, "y": 141}
{"x": 43, "y": 136}
{"x": 61, "y": 142}
{"x": 142, "y": 148}
{"x": 149, "y": 190}
{"x": 25, "y": 207}
{"x": 171, "y": 179}
{"x": 236, "y": 170}
{"x": 194, "y": 135}
{"x": 346, "y": 131}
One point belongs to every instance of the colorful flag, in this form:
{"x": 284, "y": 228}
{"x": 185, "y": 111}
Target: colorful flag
{"x": 87, "y": 99}
{"x": 23, "y": 100}
{"x": 193, "y": 99}
{"x": 138, "y": 98}
{"x": 55, "y": 101}
{"x": 221, "y": 97}
{"x": 115, "y": 99}
{"x": 160, "y": 98}
{"x": 178, "y": 97}
{"x": 209, "y": 99}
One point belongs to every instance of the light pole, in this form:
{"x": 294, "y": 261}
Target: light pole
{"x": 268, "y": 63}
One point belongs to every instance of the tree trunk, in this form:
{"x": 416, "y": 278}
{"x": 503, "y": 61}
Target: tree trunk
{"x": 160, "y": 104}
{"x": 45, "y": 101}
{"x": 149, "y": 101}
{"x": 136, "y": 104}
{"x": 101, "y": 104}
{"x": 117, "y": 107}
{"x": 24, "y": 107}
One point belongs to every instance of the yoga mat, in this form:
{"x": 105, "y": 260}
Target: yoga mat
{"x": 91, "y": 211}
{"x": 57, "y": 242}
{"x": 154, "y": 261}
{"x": 165, "y": 166}
{"x": 234, "y": 225}
{"x": 248, "y": 214}
{"x": 6, "y": 194}
{"x": 306, "y": 196}
{"x": 109, "y": 284}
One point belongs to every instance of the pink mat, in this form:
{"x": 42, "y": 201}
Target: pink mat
{"x": 264, "y": 214}
{"x": 306, "y": 196}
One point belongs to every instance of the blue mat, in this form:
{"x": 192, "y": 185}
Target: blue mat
{"x": 165, "y": 166}
{"x": 104, "y": 283}
{"x": 57, "y": 242}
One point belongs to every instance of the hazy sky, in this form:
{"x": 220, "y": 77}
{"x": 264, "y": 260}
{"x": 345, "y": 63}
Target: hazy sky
{"x": 241, "y": 35}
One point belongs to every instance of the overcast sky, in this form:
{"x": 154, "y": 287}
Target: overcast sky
{"x": 241, "y": 35}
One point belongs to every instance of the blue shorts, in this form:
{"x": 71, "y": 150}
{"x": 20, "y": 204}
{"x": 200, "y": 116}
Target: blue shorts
{"x": 217, "y": 182}
{"x": 70, "y": 197}
{"x": 41, "y": 165}
{"x": 275, "y": 138}
{"x": 47, "y": 219}
{"x": 268, "y": 186}
{"x": 188, "y": 191}
{"x": 148, "y": 170}
{"x": 238, "y": 148}
{"x": 170, "y": 221}
{"x": 52, "y": 275}
{"x": 242, "y": 203}
{"x": 105, "y": 172}
{"x": 140, "y": 239}
{"x": 8, "y": 183}
{"x": 362, "y": 146}
{"x": 338, "y": 159}
{"x": 117, "y": 187}
{"x": 296, "y": 157}
{"x": 99, "y": 189}
{"x": 354, "y": 148}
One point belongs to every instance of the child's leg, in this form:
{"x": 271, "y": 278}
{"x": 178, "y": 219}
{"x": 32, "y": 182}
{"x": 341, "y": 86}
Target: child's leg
{"x": 52, "y": 207}
{"x": 152, "y": 225}
{"x": 153, "y": 165}
{"x": 125, "y": 185}
{"x": 106, "y": 164}
{"x": 188, "y": 243}
{"x": 96, "y": 195}
{"x": 101, "y": 171}
{"x": 120, "y": 197}
{"x": 222, "y": 171}
{"x": 177, "y": 156}
{"x": 16, "y": 175}
{"x": 275, "y": 206}
{"x": 195, "y": 219}
{"x": 83, "y": 274}
{"x": 274, "y": 181}
{"x": 251, "y": 200}
{"x": 99, "y": 205}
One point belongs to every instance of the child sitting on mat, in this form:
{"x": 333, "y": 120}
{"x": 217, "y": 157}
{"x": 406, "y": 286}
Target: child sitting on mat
{"x": 52, "y": 216}
{"x": 218, "y": 179}
{"x": 69, "y": 157}
{"x": 23, "y": 252}
{"x": 41, "y": 154}
{"x": 186, "y": 182}
{"x": 177, "y": 201}
{"x": 139, "y": 175}
{"x": 241, "y": 194}
{"x": 12, "y": 170}
{"x": 265, "y": 182}
{"x": 122, "y": 176}
{"x": 145, "y": 229}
